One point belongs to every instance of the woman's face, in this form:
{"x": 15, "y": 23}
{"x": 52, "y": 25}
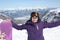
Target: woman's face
{"x": 34, "y": 19}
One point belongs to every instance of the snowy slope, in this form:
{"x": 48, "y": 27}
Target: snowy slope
{"x": 49, "y": 34}
{"x": 52, "y": 15}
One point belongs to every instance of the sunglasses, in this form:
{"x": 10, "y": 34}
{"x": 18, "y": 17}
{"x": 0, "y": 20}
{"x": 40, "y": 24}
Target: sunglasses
{"x": 35, "y": 16}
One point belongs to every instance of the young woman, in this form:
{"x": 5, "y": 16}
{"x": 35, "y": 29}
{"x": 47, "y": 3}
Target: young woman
{"x": 35, "y": 26}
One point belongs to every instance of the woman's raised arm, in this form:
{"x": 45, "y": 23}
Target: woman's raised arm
{"x": 51, "y": 24}
{"x": 18, "y": 27}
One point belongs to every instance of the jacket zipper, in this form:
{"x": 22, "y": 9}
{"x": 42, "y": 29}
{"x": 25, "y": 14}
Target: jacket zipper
{"x": 37, "y": 27}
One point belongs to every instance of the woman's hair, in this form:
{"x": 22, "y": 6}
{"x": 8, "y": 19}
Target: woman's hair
{"x": 34, "y": 14}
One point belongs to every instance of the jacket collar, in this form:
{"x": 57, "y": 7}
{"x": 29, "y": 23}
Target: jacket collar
{"x": 31, "y": 23}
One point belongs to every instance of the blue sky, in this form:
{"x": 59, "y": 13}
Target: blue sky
{"x": 29, "y": 3}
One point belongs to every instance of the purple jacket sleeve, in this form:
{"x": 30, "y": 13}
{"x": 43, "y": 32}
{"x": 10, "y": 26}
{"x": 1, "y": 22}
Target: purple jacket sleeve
{"x": 52, "y": 24}
{"x": 18, "y": 27}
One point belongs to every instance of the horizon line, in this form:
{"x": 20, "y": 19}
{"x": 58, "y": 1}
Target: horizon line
{"x": 22, "y": 8}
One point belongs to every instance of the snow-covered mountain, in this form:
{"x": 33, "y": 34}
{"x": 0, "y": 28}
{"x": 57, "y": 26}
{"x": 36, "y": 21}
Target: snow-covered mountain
{"x": 52, "y": 15}
{"x": 17, "y": 13}
{"x": 21, "y": 16}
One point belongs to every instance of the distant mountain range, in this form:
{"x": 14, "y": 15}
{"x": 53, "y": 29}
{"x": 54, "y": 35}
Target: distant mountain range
{"x": 48, "y": 14}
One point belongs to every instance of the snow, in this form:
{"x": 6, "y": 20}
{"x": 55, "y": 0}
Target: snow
{"x": 19, "y": 34}
{"x": 52, "y": 33}
{"x": 49, "y": 34}
{"x": 22, "y": 18}
{"x": 22, "y": 8}
{"x": 1, "y": 20}
{"x": 49, "y": 17}
{"x": 57, "y": 10}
